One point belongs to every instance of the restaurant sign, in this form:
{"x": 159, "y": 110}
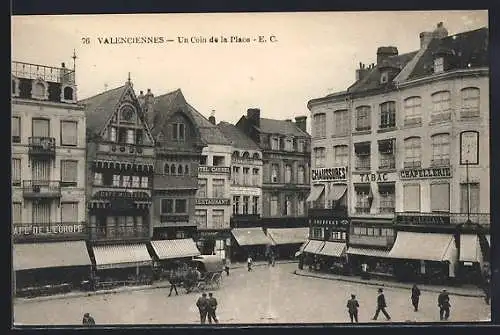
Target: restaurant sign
{"x": 213, "y": 169}
{"x": 55, "y": 229}
{"x": 330, "y": 174}
{"x": 442, "y": 172}
{"x": 213, "y": 202}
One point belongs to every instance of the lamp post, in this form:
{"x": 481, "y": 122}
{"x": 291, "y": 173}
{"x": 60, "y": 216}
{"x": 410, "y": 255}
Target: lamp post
{"x": 468, "y": 191}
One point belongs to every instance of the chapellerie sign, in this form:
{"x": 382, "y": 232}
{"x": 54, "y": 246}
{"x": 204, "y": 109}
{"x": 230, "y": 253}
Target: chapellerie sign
{"x": 442, "y": 172}
{"x": 56, "y": 229}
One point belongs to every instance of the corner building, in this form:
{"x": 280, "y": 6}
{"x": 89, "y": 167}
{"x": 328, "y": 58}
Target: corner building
{"x": 414, "y": 132}
{"x": 48, "y": 180}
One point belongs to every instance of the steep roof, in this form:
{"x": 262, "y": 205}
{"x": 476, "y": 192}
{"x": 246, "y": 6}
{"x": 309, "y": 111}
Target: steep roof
{"x": 164, "y": 105}
{"x": 465, "y": 48}
{"x": 236, "y": 136}
{"x": 99, "y": 108}
{"x": 210, "y": 134}
{"x": 282, "y": 127}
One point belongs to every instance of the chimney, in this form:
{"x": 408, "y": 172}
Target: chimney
{"x": 425, "y": 38}
{"x": 142, "y": 99}
{"x": 253, "y": 115}
{"x": 440, "y": 31}
{"x": 63, "y": 65}
{"x": 301, "y": 123}
{"x": 288, "y": 120}
{"x": 211, "y": 118}
{"x": 384, "y": 53}
{"x": 148, "y": 102}
{"x": 361, "y": 72}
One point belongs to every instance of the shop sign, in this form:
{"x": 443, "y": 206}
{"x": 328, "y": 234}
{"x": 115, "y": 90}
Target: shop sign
{"x": 330, "y": 222}
{"x": 56, "y": 229}
{"x": 213, "y": 169}
{"x": 443, "y": 172}
{"x": 329, "y": 174}
{"x": 120, "y": 194}
{"x": 378, "y": 177}
{"x": 423, "y": 220}
{"x": 213, "y": 202}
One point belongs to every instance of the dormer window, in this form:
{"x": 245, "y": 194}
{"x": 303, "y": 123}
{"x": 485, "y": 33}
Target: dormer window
{"x": 39, "y": 90}
{"x": 439, "y": 65}
{"x": 384, "y": 77}
{"x": 68, "y": 94}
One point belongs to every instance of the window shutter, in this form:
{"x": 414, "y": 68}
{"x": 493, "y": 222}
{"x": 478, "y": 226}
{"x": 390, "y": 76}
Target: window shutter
{"x": 411, "y": 198}
{"x": 440, "y": 197}
{"x": 68, "y": 133}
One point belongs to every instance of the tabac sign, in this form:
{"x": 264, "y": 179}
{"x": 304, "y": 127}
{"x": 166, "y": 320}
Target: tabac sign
{"x": 442, "y": 172}
{"x": 329, "y": 174}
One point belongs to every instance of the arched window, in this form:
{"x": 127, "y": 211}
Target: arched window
{"x": 68, "y": 93}
{"x": 236, "y": 154}
{"x": 413, "y": 152}
{"x": 413, "y": 111}
{"x": 186, "y": 169}
{"x": 38, "y": 90}
{"x": 256, "y": 156}
{"x": 441, "y": 150}
{"x": 166, "y": 169}
{"x": 172, "y": 169}
{"x": 179, "y": 170}
{"x": 246, "y": 155}
{"x": 441, "y": 102}
{"x": 470, "y": 102}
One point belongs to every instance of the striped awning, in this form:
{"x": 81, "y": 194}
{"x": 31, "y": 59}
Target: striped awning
{"x": 250, "y": 236}
{"x": 301, "y": 249}
{"x": 315, "y": 193}
{"x": 137, "y": 166}
{"x": 368, "y": 252}
{"x": 336, "y": 191}
{"x": 313, "y": 246}
{"x": 470, "y": 249}
{"x": 170, "y": 249}
{"x": 50, "y": 255}
{"x": 334, "y": 249}
{"x": 424, "y": 246}
{"x": 288, "y": 235}
{"x": 121, "y": 256}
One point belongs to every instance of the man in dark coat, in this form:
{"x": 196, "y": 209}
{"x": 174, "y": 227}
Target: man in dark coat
{"x": 173, "y": 279}
{"x": 444, "y": 305}
{"x": 415, "y": 296}
{"x": 202, "y": 305}
{"x": 88, "y": 320}
{"x": 212, "y": 306}
{"x": 487, "y": 290}
{"x": 352, "y": 308}
{"x": 381, "y": 305}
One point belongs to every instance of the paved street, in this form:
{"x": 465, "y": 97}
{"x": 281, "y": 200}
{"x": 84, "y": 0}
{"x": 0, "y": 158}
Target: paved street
{"x": 266, "y": 295}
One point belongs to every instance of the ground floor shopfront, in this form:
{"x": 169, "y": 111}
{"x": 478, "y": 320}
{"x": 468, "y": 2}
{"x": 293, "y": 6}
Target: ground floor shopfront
{"x": 249, "y": 242}
{"x": 214, "y": 242}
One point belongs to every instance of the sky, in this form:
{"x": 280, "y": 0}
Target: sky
{"x": 312, "y": 54}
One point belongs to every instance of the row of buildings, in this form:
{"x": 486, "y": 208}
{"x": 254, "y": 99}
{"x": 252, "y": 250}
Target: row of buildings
{"x": 401, "y": 162}
{"x": 107, "y": 181}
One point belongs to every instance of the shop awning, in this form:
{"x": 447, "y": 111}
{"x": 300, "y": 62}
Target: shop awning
{"x": 313, "y": 246}
{"x": 301, "y": 249}
{"x": 121, "y": 256}
{"x": 470, "y": 249}
{"x": 315, "y": 193}
{"x": 336, "y": 191}
{"x": 334, "y": 249}
{"x": 368, "y": 252}
{"x": 169, "y": 249}
{"x": 489, "y": 239}
{"x": 288, "y": 235}
{"x": 423, "y": 246}
{"x": 250, "y": 236}
{"x": 49, "y": 255}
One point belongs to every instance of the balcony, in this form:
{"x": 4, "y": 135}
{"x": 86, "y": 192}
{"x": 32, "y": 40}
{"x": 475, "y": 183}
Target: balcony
{"x": 469, "y": 113}
{"x": 118, "y": 232}
{"x": 386, "y": 209}
{"x": 440, "y": 162}
{"x": 412, "y": 164}
{"x": 362, "y": 210}
{"x": 387, "y": 163}
{"x": 42, "y": 146}
{"x": 49, "y": 231}
{"x": 363, "y": 164}
{"x": 37, "y": 189}
{"x": 46, "y": 73}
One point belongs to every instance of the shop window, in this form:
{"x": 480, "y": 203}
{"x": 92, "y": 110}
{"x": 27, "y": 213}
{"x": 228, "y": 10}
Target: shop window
{"x": 218, "y": 219}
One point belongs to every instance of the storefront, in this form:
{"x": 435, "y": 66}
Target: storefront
{"x": 171, "y": 254}
{"x": 287, "y": 241}
{"x": 471, "y": 261}
{"x": 249, "y": 242}
{"x": 428, "y": 257}
{"x": 50, "y": 266}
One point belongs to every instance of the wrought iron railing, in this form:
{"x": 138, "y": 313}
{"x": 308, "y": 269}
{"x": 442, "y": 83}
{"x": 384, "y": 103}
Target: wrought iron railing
{"x": 362, "y": 164}
{"x": 440, "y": 162}
{"x": 41, "y": 187}
{"x": 46, "y": 73}
{"x": 412, "y": 164}
{"x": 42, "y": 145}
{"x": 469, "y": 112}
{"x": 388, "y": 162}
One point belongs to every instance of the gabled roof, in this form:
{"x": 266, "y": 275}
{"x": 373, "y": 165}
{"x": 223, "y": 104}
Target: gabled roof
{"x": 466, "y": 48}
{"x": 164, "y": 105}
{"x": 237, "y": 138}
{"x": 99, "y": 108}
{"x": 281, "y": 127}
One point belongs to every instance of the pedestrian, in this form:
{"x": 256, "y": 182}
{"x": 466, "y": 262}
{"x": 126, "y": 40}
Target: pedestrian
{"x": 444, "y": 305}
{"x": 487, "y": 290}
{"x": 226, "y": 266}
{"x": 352, "y": 308}
{"x": 381, "y": 305}
{"x": 273, "y": 259}
{"x": 173, "y": 279}
{"x": 415, "y": 296}
{"x": 202, "y": 305}
{"x": 249, "y": 263}
{"x": 212, "y": 306}
{"x": 88, "y": 320}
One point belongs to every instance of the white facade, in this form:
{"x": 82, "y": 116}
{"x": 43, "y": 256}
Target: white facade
{"x": 246, "y": 182}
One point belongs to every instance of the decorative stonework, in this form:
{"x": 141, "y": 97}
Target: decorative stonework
{"x": 35, "y": 91}
{"x": 15, "y": 87}
{"x": 72, "y": 97}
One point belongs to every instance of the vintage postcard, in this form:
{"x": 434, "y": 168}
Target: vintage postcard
{"x": 251, "y": 168}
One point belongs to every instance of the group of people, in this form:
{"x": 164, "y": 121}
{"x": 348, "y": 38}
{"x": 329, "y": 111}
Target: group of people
{"x": 443, "y": 304}
{"x": 190, "y": 277}
{"x": 207, "y": 307}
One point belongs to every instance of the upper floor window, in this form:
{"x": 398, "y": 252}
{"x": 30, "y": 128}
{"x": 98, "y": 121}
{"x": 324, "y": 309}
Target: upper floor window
{"x": 288, "y": 173}
{"x": 69, "y": 133}
{"x": 319, "y": 125}
{"x": 173, "y": 170}
{"x": 288, "y": 144}
{"x": 16, "y": 129}
{"x": 438, "y": 65}
{"x": 413, "y": 111}
{"x": 441, "y": 149}
{"x": 246, "y": 176}
{"x": 219, "y": 160}
{"x": 39, "y": 90}
{"x": 202, "y": 188}
{"x": 167, "y": 206}
{"x": 236, "y": 175}
{"x": 68, "y": 93}
{"x": 388, "y": 115}
{"x": 203, "y": 160}
{"x": 301, "y": 175}
{"x": 341, "y": 155}
{"x": 341, "y": 123}
{"x": 178, "y": 132}
{"x": 413, "y": 152}
{"x": 246, "y": 204}
{"x": 255, "y": 205}
{"x": 41, "y": 128}
{"x": 144, "y": 182}
{"x": 15, "y": 87}
{"x": 16, "y": 172}
{"x": 236, "y": 204}
{"x": 301, "y": 204}
{"x": 441, "y": 106}
{"x": 255, "y": 177}
{"x": 218, "y": 188}
{"x": 300, "y": 145}
{"x": 69, "y": 173}
{"x": 363, "y": 118}
{"x": 386, "y": 149}
{"x": 180, "y": 205}
{"x": 288, "y": 206}
{"x": 274, "y": 173}
{"x": 274, "y": 205}
{"x": 275, "y": 143}
{"x": 319, "y": 157}
{"x": 362, "y": 151}
{"x": 470, "y": 102}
